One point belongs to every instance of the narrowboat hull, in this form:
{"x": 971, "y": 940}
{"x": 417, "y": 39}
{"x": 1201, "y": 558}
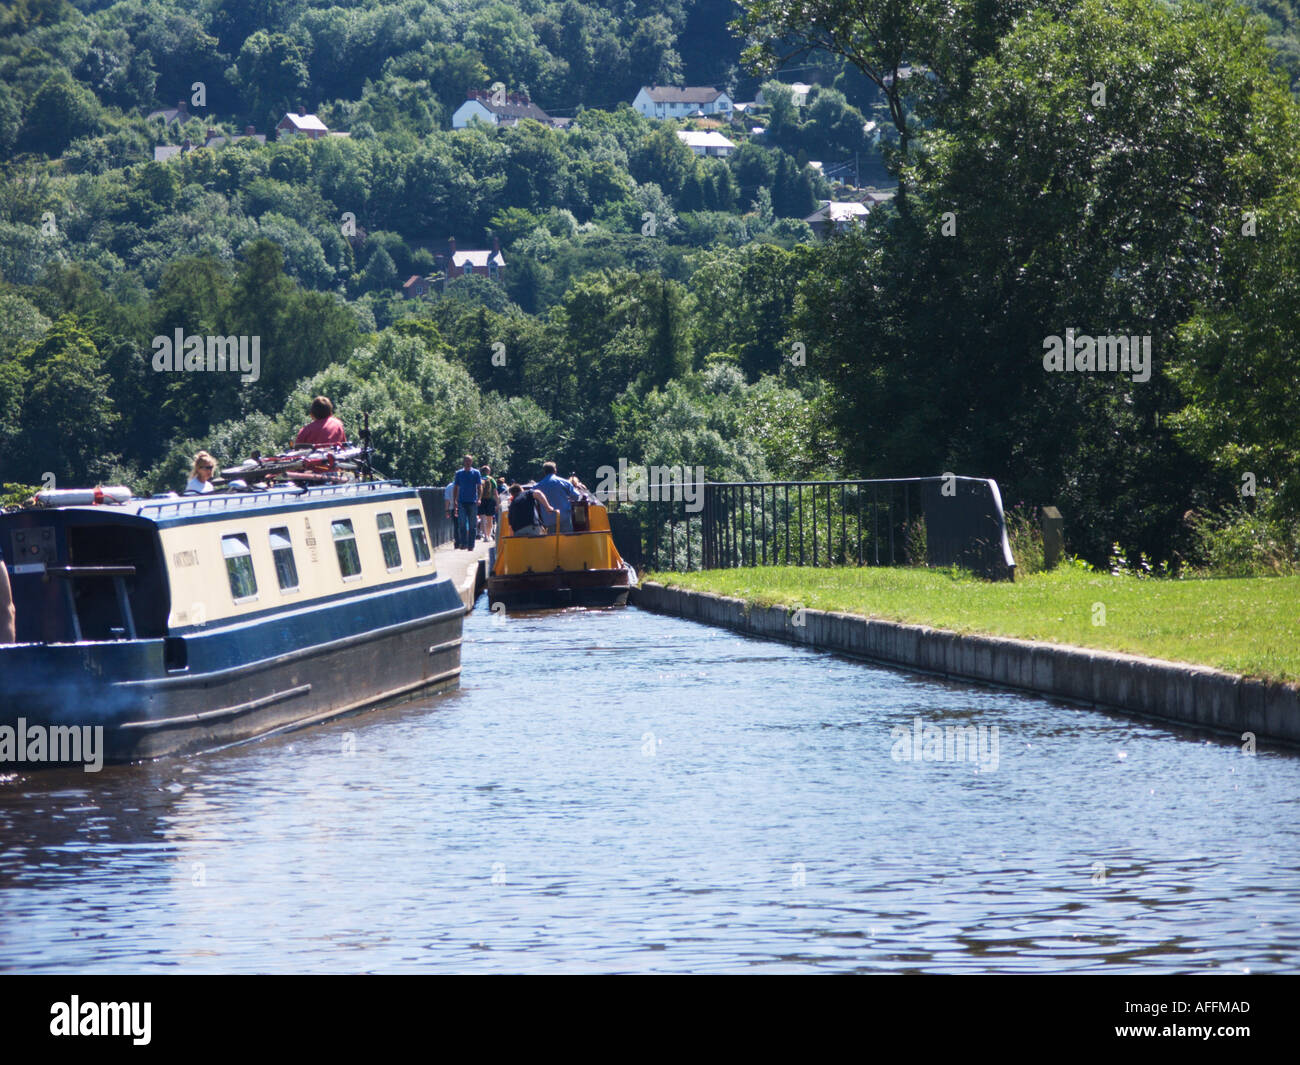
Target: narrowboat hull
{"x": 175, "y": 626}
{"x": 543, "y": 591}
{"x": 148, "y": 710}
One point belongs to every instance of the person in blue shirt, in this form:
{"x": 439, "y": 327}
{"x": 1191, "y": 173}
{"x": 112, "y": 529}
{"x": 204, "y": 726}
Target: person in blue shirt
{"x": 469, "y": 491}
{"x": 561, "y": 495}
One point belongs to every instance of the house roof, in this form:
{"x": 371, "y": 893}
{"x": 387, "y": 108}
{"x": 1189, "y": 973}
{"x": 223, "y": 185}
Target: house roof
{"x": 515, "y": 106}
{"x": 847, "y": 211}
{"x": 478, "y": 258}
{"x": 690, "y": 94}
{"x": 411, "y": 280}
{"x": 218, "y": 141}
{"x": 708, "y": 139}
{"x": 907, "y": 71}
{"x": 170, "y": 114}
{"x": 304, "y": 122}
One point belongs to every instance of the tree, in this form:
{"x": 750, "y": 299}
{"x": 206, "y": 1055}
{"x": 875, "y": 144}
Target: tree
{"x": 784, "y": 117}
{"x": 271, "y": 72}
{"x": 1043, "y": 209}
{"x": 68, "y": 412}
{"x": 881, "y": 38}
{"x": 1241, "y": 376}
{"x": 60, "y": 112}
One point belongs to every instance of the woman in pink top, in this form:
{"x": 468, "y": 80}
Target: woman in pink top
{"x": 324, "y": 428}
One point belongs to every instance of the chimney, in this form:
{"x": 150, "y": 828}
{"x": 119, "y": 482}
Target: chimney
{"x": 211, "y": 133}
{"x": 451, "y": 246}
{"x": 496, "y": 245}
{"x": 180, "y": 106}
{"x": 249, "y": 131}
{"x": 186, "y": 145}
{"x": 302, "y": 111}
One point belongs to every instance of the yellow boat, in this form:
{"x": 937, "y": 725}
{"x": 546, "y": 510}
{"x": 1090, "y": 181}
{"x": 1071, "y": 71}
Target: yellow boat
{"x": 581, "y": 568}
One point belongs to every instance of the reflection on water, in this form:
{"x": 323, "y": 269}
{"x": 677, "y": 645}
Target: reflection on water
{"x": 620, "y": 791}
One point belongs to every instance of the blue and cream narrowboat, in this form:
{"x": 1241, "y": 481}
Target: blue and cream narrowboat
{"x": 189, "y": 623}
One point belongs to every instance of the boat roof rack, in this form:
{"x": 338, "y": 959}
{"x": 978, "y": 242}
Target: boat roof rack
{"x": 215, "y": 501}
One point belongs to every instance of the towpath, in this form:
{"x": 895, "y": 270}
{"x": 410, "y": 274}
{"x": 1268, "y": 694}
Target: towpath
{"x": 467, "y": 569}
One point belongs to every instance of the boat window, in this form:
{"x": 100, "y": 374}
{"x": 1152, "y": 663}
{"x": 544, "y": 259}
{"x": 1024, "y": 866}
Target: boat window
{"x": 388, "y": 540}
{"x": 286, "y": 570}
{"x": 239, "y": 566}
{"x": 345, "y": 546}
{"x": 418, "y": 540}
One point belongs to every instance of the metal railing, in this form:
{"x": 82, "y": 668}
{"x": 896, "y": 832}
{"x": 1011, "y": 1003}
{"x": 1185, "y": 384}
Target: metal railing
{"x": 937, "y": 521}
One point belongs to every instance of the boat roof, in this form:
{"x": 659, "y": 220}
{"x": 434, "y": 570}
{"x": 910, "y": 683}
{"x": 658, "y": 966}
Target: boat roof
{"x": 172, "y": 509}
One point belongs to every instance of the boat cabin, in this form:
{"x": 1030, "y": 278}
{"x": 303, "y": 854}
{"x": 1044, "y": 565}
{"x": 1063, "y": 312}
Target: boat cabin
{"x": 163, "y": 567}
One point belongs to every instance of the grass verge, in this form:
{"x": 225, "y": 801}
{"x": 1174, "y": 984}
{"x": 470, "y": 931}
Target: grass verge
{"x": 1243, "y": 625}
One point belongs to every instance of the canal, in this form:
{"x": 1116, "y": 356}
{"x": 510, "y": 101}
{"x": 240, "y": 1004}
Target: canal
{"x": 619, "y": 791}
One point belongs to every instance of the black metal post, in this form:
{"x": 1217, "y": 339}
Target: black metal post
{"x": 801, "y": 524}
{"x": 786, "y": 561}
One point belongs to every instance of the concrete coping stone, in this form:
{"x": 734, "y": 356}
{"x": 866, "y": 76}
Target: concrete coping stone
{"x": 1183, "y": 693}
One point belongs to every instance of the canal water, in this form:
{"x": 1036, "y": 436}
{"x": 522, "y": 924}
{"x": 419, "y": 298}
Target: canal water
{"x": 618, "y": 791}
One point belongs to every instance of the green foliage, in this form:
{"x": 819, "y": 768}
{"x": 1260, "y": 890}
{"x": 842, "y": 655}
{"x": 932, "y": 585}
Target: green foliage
{"x": 695, "y": 420}
{"x": 65, "y": 387}
{"x": 60, "y": 112}
{"x": 15, "y": 495}
{"x": 1025, "y": 535}
{"x": 916, "y": 544}
{"x": 1261, "y": 539}
{"x": 1107, "y": 219}
{"x": 674, "y": 339}
{"x": 1240, "y": 374}
{"x": 272, "y": 73}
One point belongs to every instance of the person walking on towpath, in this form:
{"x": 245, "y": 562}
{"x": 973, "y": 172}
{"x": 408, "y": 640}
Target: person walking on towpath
{"x": 487, "y": 508}
{"x": 469, "y": 493}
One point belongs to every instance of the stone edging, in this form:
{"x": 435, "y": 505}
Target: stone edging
{"x": 1198, "y": 696}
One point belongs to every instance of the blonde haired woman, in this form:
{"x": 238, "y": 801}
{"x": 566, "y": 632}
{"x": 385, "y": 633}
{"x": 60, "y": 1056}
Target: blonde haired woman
{"x": 201, "y": 475}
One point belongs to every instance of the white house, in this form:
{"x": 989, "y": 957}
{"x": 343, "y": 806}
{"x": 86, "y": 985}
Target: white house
{"x": 798, "y": 90}
{"x": 834, "y": 217}
{"x": 293, "y": 125}
{"x": 669, "y": 101}
{"x": 500, "y": 109}
{"x": 710, "y": 143}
